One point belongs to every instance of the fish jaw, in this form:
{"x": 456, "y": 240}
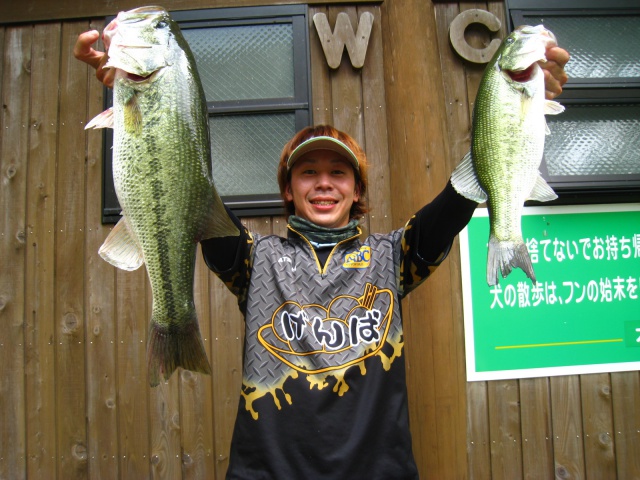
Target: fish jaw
{"x": 523, "y": 49}
{"x": 137, "y": 42}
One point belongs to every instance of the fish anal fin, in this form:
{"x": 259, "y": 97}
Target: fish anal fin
{"x": 121, "y": 249}
{"x": 541, "y": 191}
{"x": 465, "y": 181}
{"x": 102, "y": 120}
{"x": 173, "y": 346}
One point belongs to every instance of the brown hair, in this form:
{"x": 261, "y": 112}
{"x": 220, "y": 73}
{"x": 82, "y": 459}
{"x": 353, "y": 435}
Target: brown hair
{"x": 359, "y": 208}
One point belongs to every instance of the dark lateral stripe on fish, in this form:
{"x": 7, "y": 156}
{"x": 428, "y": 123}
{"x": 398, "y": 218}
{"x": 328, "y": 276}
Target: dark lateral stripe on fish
{"x": 159, "y": 213}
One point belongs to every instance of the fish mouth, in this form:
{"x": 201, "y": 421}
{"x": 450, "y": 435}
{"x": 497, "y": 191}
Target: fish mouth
{"x": 521, "y": 76}
{"x": 138, "y": 78}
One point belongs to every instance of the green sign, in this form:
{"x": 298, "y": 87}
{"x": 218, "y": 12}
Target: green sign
{"x": 582, "y": 315}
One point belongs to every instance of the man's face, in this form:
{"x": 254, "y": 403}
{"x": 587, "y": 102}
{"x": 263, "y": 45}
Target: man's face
{"x": 323, "y": 188}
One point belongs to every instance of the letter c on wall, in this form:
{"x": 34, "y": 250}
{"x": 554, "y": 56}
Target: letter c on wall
{"x": 459, "y": 43}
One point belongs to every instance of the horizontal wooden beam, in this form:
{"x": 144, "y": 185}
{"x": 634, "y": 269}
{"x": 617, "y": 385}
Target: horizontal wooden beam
{"x": 32, "y": 11}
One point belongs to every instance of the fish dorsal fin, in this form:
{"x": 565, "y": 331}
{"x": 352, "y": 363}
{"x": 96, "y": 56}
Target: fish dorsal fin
{"x": 121, "y": 249}
{"x": 465, "y": 181}
{"x": 541, "y": 191}
{"x": 218, "y": 223}
{"x": 552, "y": 108}
{"x": 102, "y": 120}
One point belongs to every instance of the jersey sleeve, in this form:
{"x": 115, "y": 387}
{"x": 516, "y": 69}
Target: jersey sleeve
{"x": 229, "y": 258}
{"x": 429, "y": 234}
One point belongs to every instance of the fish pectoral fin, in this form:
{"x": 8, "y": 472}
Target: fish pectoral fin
{"x": 218, "y": 223}
{"x": 541, "y": 191}
{"x": 552, "y": 108}
{"x": 102, "y": 120}
{"x": 121, "y": 249}
{"x": 465, "y": 181}
{"x": 133, "y": 116}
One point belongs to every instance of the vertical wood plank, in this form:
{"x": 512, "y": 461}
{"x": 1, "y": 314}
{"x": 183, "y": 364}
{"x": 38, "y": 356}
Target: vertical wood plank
{"x": 568, "y": 446}
{"x": 476, "y": 36}
{"x": 625, "y": 388}
{"x": 102, "y": 394}
{"x": 320, "y": 81}
{"x": 537, "y": 444}
{"x": 134, "y": 458}
{"x": 13, "y": 177}
{"x": 39, "y": 298}
{"x": 479, "y": 451}
{"x": 69, "y": 262}
{"x": 164, "y": 421}
{"x": 597, "y": 413}
{"x": 346, "y": 87}
{"x": 504, "y": 424}
{"x": 227, "y": 327}
{"x": 196, "y": 396}
{"x": 374, "y": 110}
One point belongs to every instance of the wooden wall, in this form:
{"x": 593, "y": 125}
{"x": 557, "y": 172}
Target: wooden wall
{"x": 74, "y": 400}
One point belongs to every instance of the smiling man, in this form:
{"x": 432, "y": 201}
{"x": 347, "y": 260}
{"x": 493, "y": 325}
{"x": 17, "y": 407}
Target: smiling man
{"x": 323, "y": 186}
{"x": 324, "y": 384}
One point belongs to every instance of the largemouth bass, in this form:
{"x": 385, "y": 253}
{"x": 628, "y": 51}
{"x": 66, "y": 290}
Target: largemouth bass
{"x": 507, "y": 142}
{"x": 162, "y": 177}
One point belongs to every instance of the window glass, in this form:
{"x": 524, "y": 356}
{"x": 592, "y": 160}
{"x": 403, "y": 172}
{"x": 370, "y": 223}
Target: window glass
{"x": 244, "y": 62}
{"x": 599, "y": 45}
{"x": 247, "y": 149}
{"x": 594, "y": 140}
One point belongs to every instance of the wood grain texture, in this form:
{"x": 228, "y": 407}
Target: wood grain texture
{"x": 44, "y": 10}
{"x": 74, "y": 397}
{"x": 69, "y": 310}
{"x": 40, "y": 254}
{"x": 14, "y": 121}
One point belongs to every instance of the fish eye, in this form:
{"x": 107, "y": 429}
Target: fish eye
{"x": 162, "y": 24}
{"x": 509, "y": 40}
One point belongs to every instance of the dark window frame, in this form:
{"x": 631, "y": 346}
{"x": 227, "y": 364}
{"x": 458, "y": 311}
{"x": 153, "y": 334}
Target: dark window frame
{"x": 588, "y": 92}
{"x": 299, "y": 104}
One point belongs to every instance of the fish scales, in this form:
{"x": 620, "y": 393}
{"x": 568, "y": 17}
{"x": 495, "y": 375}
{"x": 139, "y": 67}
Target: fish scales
{"x": 162, "y": 177}
{"x": 507, "y": 144}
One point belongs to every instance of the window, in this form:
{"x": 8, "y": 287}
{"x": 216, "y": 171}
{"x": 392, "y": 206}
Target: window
{"x": 254, "y": 68}
{"x": 594, "y": 146}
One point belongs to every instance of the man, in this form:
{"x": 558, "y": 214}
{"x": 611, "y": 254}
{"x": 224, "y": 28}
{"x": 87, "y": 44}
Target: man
{"x": 324, "y": 382}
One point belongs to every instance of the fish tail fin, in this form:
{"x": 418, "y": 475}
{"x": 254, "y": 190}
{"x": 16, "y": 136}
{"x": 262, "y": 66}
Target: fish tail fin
{"x": 504, "y": 256}
{"x": 169, "y": 348}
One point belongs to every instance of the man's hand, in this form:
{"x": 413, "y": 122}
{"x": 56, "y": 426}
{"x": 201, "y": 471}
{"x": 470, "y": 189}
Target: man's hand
{"x": 554, "y": 75}
{"x": 84, "y": 51}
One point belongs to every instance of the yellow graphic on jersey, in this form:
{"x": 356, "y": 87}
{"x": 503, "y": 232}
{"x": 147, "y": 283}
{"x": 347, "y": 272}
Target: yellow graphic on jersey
{"x": 314, "y": 339}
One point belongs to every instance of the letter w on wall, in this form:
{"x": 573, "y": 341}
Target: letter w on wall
{"x": 333, "y": 43}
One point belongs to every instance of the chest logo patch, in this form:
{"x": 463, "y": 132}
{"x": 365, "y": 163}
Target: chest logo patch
{"x": 359, "y": 259}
